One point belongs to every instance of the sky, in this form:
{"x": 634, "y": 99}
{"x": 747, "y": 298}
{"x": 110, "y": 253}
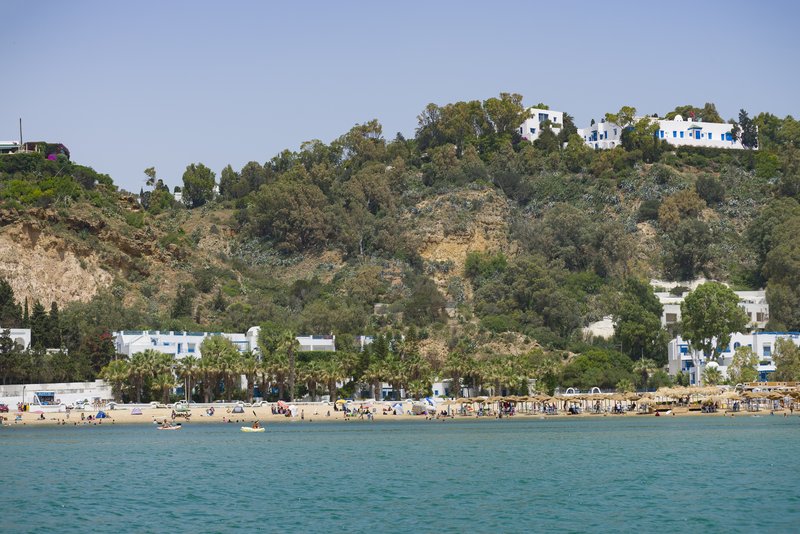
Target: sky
{"x": 130, "y": 85}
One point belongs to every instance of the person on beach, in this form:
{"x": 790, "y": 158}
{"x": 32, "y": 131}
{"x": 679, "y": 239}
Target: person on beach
{"x": 256, "y": 424}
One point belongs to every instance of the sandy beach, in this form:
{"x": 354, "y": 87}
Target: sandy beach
{"x": 311, "y": 413}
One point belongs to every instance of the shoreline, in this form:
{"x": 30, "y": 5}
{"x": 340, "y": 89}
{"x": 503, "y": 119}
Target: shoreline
{"x": 318, "y": 414}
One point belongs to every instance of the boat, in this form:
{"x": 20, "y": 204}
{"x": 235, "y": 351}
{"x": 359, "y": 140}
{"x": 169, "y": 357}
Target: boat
{"x": 176, "y": 427}
{"x": 251, "y": 429}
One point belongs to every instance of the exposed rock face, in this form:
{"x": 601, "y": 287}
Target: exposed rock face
{"x": 452, "y": 225}
{"x": 42, "y": 267}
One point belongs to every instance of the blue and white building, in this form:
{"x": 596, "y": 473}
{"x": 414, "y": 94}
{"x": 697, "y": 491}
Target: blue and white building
{"x": 182, "y": 344}
{"x": 602, "y": 135}
{"x": 681, "y": 358}
{"x": 532, "y": 127}
{"x": 677, "y": 131}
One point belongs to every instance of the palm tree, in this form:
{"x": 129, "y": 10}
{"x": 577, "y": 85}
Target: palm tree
{"x": 140, "y": 371}
{"x": 208, "y": 372}
{"x": 163, "y": 383}
{"x": 289, "y": 345}
{"x": 455, "y": 368}
{"x": 712, "y": 375}
{"x": 188, "y": 369}
{"x": 375, "y": 375}
{"x": 277, "y": 367}
{"x": 250, "y": 367}
{"x": 331, "y": 372}
{"x": 116, "y": 373}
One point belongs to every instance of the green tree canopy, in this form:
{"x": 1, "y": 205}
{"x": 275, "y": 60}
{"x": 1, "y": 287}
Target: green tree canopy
{"x": 198, "y": 185}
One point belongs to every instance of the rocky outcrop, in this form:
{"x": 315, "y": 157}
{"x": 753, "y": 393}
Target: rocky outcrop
{"x": 43, "y": 267}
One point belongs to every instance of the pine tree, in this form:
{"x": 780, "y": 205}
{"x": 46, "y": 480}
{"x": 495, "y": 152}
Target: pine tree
{"x": 53, "y": 332}
{"x": 9, "y": 309}
{"x": 38, "y": 323}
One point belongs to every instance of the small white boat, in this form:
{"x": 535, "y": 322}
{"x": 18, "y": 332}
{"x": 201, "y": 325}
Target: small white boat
{"x": 176, "y": 427}
{"x": 251, "y": 429}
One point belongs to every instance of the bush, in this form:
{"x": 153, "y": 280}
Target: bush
{"x": 710, "y": 189}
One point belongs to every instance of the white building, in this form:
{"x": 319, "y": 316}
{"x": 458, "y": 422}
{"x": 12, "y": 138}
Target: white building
{"x": 326, "y": 343}
{"x": 182, "y": 344}
{"x": 754, "y": 304}
{"x": 55, "y": 394}
{"x": 601, "y": 135}
{"x": 689, "y": 132}
{"x": 532, "y": 126}
{"x": 178, "y": 344}
{"x": 677, "y": 132}
{"x": 20, "y": 336}
{"x": 680, "y": 358}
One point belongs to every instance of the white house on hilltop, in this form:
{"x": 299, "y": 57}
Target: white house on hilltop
{"x": 677, "y": 132}
{"x": 532, "y": 127}
{"x": 601, "y": 135}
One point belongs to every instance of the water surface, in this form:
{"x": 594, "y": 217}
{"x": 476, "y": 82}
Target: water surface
{"x": 700, "y": 474}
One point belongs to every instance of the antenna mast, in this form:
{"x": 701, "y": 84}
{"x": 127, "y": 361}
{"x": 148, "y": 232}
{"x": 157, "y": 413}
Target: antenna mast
{"x": 20, "y": 133}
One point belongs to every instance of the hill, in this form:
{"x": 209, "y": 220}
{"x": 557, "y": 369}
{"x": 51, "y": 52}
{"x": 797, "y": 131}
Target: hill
{"x": 477, "y": 239}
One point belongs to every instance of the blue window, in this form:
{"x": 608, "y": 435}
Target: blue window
{"x": 543, "y": 117}
{"x": 533, "y": 130}
{"x": 697, "y": 134}
{"x": 180, "y": 348}
{"x": 681, "y": 135}
{"x": 684, "y": 349}
{"x": 767, "y": 350}
{"x": 736, "y": 345}
{"x": 721, "y": 137}
{"x": 728, "y": 137}
{"x": 615, "y": 131}
{"x": 674, "y": 133}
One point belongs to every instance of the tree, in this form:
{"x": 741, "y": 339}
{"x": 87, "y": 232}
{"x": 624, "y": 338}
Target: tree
{"x": 117, "y": 373}
{"x": 53, "y": 328}
{"x": 597, "y": 367}
{"x": 188, "y": 369}
{"x": 782, "y": 270}
{"x": 291, "y": 213}
{"x": 643, "y": 368}
{"x": 712, "y": 376}
{"x": 182, "y": 306}
{"x": 10, "y": 353}
{"x": 332, "y": 371}
{"x": 686, "y": 249}
{"x": 505, "y": 113}
{"x": 749, "y": 130}
{"x": 151, "y": 176}
{"x": 637, "y": 322}
{"x": 624, "y": 118}
{"x": 289, "y": 345}
{"x": 10, "y": 314}
{"x": 198, "y": 185}
{"x": 710, "y": 314}
{"x": 743, "y": 368}
{"x": 787, "y": 360}
{"x": 39, "y": 326}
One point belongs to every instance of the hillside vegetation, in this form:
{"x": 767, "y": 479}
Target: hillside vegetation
{"x": 473, "y": 240}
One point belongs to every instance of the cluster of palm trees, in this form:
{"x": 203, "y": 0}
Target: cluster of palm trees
{"x": 218, "y": 373}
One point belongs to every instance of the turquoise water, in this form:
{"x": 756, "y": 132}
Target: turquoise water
{"x": 566, "y": 475}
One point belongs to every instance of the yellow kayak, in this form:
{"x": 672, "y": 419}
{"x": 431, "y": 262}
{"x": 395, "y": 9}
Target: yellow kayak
{"x": 251, "y": 429}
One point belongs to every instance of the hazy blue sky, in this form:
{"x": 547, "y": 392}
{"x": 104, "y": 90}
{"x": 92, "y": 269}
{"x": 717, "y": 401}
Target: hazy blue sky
{"x": 127, "y": 85}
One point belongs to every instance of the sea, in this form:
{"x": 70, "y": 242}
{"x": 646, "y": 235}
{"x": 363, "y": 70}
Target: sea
{"x": 626, "y": 474}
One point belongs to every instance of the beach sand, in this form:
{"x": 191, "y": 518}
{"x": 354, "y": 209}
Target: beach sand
{"x": 306, "y": 413}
